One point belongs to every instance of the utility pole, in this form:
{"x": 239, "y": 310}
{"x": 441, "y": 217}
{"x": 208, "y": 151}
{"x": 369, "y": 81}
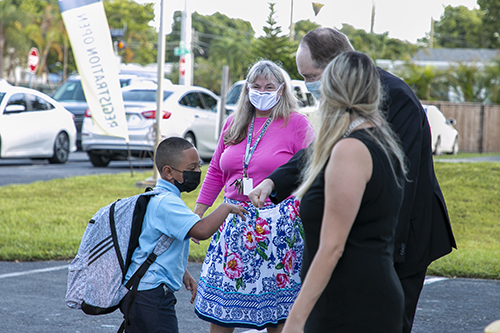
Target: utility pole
{"x": 373, "y": 17}
{"x": 292, "y": 25}
{"x": 431, "y": 37}
{"x": 186, "y": 60}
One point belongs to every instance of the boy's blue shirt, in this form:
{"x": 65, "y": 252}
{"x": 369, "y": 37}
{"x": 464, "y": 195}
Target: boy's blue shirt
{"x": 166, "y": 214}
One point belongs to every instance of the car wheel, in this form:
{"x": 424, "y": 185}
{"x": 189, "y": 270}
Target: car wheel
{"x": 61, "y": 149}
{"x": 454, "y": 150}
{"x": 190, "y": 137}
{"x": 99, "y": 160}
{"x": 437, "y": 147}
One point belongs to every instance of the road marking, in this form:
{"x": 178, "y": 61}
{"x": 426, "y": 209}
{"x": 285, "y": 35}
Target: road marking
{"x": 33, "y": 271}
{"x": 433, "y": 279}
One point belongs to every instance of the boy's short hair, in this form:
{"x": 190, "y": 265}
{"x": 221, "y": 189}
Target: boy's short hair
{"x": 169, "y": 152}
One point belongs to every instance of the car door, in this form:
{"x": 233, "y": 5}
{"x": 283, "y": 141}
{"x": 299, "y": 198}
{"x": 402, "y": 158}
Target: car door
{"x": 46, "y": 122}
{"x": 19, "y": 133}
{"x": 202, "y": 121}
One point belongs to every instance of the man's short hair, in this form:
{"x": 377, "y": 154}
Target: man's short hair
{"x": 169, "y": 152}
{"x": 325, "y": 44}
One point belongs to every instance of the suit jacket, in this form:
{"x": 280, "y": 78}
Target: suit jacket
{"x": 423, "y": 233}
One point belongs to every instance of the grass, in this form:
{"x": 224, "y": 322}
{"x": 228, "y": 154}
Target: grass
{"x": 46, "y": 220}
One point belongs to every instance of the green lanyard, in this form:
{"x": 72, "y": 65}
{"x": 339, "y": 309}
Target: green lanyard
{"x": 250, "y": 150}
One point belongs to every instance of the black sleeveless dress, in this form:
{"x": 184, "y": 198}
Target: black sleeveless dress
{"x": 364, "y": 293}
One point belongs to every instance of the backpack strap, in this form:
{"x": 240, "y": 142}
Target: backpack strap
{"x": 133, "y": 284}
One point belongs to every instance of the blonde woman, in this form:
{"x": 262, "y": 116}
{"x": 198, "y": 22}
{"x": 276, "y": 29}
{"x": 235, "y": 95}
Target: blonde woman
{"x": 251, "y": 273}
{"x": 351, "y": 193}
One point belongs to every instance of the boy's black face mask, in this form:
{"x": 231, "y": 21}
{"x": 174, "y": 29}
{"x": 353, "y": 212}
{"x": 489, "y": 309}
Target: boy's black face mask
{"x": 191, "y": 181}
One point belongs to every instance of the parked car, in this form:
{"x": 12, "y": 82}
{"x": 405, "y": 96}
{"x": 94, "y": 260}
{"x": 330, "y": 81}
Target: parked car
{"x": 189, "y": 112}
{"x": 444, "y": 135}
{"x": 307, "y": 102}
{"x": 70, "y": 94}
{"x": 33, "y": 125}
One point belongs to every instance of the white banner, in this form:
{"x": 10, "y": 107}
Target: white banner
{"x": 90, "y": 38}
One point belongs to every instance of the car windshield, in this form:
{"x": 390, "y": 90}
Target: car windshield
{"x": 145, "y": 95}
{"x": 70, "y": 91}
{"x": 2, "y": 94}
{"x": 234, "y": 94}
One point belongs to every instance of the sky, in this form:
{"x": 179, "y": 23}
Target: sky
{"x": 403, "y": 19}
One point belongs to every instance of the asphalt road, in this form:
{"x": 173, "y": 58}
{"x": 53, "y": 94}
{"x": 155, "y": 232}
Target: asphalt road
{"x": 25, "y": 171}
{"x": 32, "y": 300}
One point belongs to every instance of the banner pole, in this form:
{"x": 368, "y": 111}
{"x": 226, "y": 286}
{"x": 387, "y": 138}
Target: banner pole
{"x": 159, "y": 91}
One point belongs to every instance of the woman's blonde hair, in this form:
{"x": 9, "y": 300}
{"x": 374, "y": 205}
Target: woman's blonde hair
{"x": 245, "y": 111}
{"x": 350, "y": 84}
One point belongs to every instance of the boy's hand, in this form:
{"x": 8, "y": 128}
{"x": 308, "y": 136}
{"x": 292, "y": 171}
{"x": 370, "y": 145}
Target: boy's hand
{"x": 235, "y": 209}
{"x": 190, "y": 284}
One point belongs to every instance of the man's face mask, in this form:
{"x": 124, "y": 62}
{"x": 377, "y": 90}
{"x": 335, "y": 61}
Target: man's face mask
{"x": 313, "y": 88}
{"x": 191, "y": 180}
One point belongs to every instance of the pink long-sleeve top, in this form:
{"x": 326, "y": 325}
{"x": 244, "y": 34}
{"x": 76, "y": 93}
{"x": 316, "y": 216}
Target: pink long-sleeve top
{"x": 276, "y": 147}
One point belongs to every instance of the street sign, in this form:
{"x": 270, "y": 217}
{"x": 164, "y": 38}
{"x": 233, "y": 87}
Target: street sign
{"x": 182, "y": 67}
{"x": 33, "y": 60}
{"x": 180, "y": 51}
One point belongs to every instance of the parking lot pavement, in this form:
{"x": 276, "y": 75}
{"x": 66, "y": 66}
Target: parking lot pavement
{"x": 33, "y": 301}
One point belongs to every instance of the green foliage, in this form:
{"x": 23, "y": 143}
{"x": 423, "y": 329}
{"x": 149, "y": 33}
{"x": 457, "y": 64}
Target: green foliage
{"x": 491, "y": 9}
{"x": 468, "y": 81}
{"x": 428, "y": 83}
{"x": 277, "y": 47}
{"x": 460, "y": 27}
{"x": 140, "y": 37}
{"x": 378, "y": 46}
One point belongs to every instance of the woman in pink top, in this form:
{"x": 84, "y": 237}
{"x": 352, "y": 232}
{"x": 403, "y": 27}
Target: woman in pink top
{"x": 250, "y": 276}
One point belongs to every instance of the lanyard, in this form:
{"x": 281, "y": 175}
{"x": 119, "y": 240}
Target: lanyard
{"x": 249, "y": 151}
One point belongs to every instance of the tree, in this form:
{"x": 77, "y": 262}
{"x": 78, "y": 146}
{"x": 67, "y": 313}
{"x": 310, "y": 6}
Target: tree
{"x": 460, "y": 27}
{"x": 469, "y": 82}
{"x": 140, "y": 37}
{"x": 428, "y": 83}
{"x": 301, "y": 28}
{"x": 13, "y": 42}
{"x": 276, "y": 47}
{"x": 491, "y": 23}
{"x": 378, "y": 46}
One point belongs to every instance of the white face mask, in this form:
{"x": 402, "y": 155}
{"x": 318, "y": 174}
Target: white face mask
{"x": 313, "y": 88}
{"x": 263, "y": 101}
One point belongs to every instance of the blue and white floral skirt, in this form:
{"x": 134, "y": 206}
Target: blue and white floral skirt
{"x": 251, "y": 273}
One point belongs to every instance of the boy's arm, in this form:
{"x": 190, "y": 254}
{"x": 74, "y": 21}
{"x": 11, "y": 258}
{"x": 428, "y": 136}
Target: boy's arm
{"x": 190, "y": 284}
{"x": 208, "y": 225}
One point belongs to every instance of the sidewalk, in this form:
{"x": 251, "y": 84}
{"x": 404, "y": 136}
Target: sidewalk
{"x": 33, "y": 301}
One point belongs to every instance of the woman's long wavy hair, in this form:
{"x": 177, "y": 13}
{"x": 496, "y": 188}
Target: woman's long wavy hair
{"x": 245, "y": 111}
{"x": 350, "y": 85}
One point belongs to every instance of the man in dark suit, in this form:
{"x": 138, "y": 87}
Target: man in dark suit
{"x": 424, "y": 232}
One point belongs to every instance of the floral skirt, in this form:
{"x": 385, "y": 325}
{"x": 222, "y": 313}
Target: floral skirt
{"x": 251, "y": 273}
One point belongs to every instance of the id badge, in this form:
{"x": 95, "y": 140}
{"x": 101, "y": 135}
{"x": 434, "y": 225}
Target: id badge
{"x": 247, "y": 186}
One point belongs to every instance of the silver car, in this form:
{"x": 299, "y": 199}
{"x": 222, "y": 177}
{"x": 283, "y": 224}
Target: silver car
{"x": 188, "y": 111}
{"x": 70, "y": 94}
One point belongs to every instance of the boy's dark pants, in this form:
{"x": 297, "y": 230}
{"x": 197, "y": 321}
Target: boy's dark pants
{"x": 153, "y": 311}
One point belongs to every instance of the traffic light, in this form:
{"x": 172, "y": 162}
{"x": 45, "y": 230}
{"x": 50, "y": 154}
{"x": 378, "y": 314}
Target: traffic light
{"x": 121, "y": 45}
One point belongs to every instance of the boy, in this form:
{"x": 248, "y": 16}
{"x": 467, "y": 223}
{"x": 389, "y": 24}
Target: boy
{"x": 153, "y": 310}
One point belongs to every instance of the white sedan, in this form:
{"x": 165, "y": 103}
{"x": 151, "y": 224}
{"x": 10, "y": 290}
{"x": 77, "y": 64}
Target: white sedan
{"x": 188, "y": 111}
{"x": 444, "y": 135}
{"x": 33, "y": 125}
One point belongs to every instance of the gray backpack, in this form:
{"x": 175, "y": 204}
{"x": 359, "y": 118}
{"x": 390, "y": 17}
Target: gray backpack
{"x": 96, "y": 275}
